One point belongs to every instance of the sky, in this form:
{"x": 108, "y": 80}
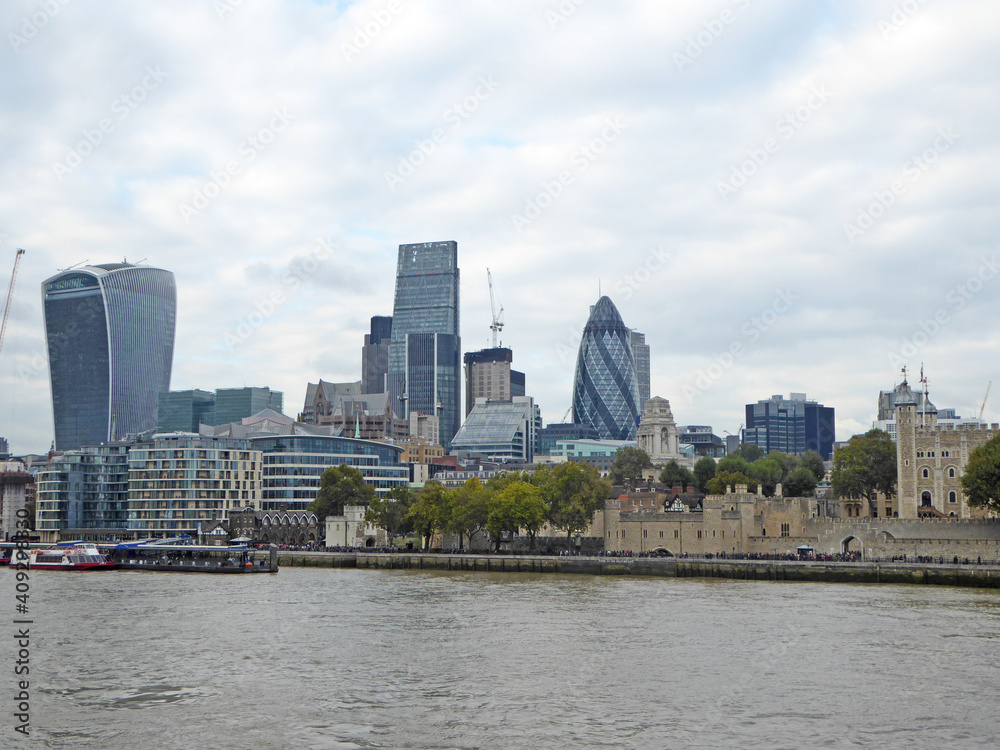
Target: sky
{"x": 783, "y": 196}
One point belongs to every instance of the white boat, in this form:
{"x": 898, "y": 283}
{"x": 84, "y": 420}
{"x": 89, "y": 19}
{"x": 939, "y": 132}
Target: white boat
{"x": 71, "y": 557}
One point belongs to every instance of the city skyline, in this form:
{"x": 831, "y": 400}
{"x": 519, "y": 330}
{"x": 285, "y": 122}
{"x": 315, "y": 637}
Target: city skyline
{"x": 788, "y": 199}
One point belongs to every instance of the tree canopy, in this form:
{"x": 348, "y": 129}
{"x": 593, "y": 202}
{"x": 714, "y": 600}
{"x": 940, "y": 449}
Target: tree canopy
{"x": 865, "y": 467}
{"x": 390, "y": 511}
{"x": 518, "y": 506}
{"x": 574, "y": 492}
{"x": 340, "y": 486}
{"x": 673, "y": 473}
{"x": 704, "y": 470}
{"x": 628, "y": 464}
{"x": 981, "y": 478}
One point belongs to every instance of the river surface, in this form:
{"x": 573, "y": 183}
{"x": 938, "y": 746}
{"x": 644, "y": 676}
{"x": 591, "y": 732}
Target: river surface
{"x": 320, "y": 659}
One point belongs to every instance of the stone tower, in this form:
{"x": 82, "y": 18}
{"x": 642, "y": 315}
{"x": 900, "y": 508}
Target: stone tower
{"x": 657, "y": 432}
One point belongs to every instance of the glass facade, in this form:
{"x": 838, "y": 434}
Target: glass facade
{"x": 605, "y": 387}
{"x": 425, "y": 361}
{"x": 792, "y": 425}
{"x": 110, "y": 335}
{"x": 235, "y": 404}
{"x": 184, "y": 411}
{"x": 293, "y": 466}
{"x": 84, "y": 489}
{"x": 501, "y": 430}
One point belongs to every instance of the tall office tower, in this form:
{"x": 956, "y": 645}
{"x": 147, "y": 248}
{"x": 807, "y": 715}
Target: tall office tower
{"x": 793, "y": 425}
{"x": 425, "y": 360}
{"x": 605, "y": 388}
{"x": 640, "y": 349}
{"x": 234, "y": 404}
{"x": 375, "y": 356}
{"x": 488, "y": 375}
{"x": 184, "y": 411}
{"x": 110, "y": 334}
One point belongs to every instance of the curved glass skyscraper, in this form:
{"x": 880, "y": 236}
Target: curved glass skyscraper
{"x": 110, "y": 335}
{"x": 605, "y": 388}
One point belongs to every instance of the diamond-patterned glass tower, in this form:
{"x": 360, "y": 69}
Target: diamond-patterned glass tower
{"x": 605, "y": 388}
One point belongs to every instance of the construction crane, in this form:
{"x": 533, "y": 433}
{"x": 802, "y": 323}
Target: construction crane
{"x": 983, "y": 407}
{"x": 497, "y": 325}
{"x": 10, "y": 296}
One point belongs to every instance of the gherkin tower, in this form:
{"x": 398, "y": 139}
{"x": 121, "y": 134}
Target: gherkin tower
{"x": 605, "y": 388}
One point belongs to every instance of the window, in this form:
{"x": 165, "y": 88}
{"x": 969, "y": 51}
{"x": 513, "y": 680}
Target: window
{"x": 952, "y": 497}
{"x": 661, "y": 535}
{"x": 699, "y": 533}
{"x": 951, "y": 472}
{"x": 926, "y": 473}
{"x": 786, "y": 529}
{"x": 676, "y": 533}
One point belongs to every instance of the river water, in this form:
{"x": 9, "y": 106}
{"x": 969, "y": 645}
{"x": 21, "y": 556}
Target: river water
{"x": 318, "y": 659}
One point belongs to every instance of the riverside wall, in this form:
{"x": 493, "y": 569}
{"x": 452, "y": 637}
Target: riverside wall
{"x": 975, "y": 576}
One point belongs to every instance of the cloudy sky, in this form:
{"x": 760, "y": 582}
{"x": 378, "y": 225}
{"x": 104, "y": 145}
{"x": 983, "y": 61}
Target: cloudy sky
{"x": 783, "y": 196}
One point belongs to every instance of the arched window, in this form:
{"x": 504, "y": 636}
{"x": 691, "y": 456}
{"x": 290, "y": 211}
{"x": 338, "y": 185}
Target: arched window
{"x": 952, "y": 497}
{"x": 926, "y": 473}
{"x": 925, "y": 499}
{"x": 951, "y": 472}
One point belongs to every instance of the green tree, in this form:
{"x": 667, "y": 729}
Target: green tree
{"x": 574, "y": 492}
{"x": 981, "y": 478}
{"x": 800, "y": 483}
{"x": 430, "y": 511}
{"x": 718, "y": 484}
{"x": 673, "y": 473}
{"x": 390, "y": 511}
{"x": 470, "y": 509}
{"x": 865, "y": 467}
{"x": 767, "y": 472}
{"x": 340, "y": 486}
{"x": 734, "y": 463}
{"x": 628, "y": 464}
{"x": 519, "y": 506}
{"x": 704, "y": 470}
{"x": 750, "y": 452}
{"x": 814, "y": 462}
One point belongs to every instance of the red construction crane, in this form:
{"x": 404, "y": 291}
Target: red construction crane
{"x": 10, "y": 296}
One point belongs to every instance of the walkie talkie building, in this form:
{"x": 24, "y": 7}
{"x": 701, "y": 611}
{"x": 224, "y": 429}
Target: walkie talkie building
{"x": 110, "y": 335}
{"x": 605, "y": 388}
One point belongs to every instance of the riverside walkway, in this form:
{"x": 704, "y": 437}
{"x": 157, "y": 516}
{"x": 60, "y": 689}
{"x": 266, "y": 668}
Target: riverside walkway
{"x": 947, "y": 574}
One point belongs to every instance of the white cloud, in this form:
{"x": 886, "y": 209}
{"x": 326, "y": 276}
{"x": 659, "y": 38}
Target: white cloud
{"x": 891, "y": 90}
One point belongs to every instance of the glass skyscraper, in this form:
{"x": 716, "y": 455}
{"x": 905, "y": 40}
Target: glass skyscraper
{"x": 110, "y": 335}
{"x": 605, "y": 387}
{"x": 425, "y": 361}
{"x": 793, "y": 425}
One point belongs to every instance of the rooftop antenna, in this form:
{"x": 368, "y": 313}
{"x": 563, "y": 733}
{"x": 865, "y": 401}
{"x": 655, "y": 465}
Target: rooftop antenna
{"x": 923, "y": 405}
{"x": 70, "y": 268}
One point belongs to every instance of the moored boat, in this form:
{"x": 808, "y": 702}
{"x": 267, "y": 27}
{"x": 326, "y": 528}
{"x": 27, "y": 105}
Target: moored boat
{"x": 72, "y": 557}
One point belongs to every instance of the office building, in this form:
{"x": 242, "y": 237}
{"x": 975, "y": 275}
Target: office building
{"x": 15, "y": 484}
{"x": 233, "y": 404}
{"x": 488, "y": 375}
{"x": 640, "y": 350}
{"x": 549, "y": 435}
{"x": 109, "y": 329}
{"x": 184, "y": 411}
{"x": 425, "y": 361}
{"x": 605, "y": 387}
{"x": 501, "y": 431}
{"x": 793, "y": 425}
{"x": 375, "y": 356}
{"x": 703, "y": 440}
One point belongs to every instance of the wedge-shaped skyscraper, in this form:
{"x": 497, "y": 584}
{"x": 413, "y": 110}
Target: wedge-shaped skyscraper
{"x": 605, "y": 388}
{"x": 110, "y": 335}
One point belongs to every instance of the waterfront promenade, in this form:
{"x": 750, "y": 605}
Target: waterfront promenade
{"x": 942, "y": 574}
